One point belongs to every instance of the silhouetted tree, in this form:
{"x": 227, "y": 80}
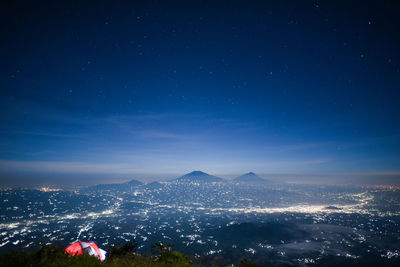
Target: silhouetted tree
{"x": 245, "y": 263}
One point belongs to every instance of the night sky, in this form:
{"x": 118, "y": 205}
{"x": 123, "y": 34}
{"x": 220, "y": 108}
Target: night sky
{"x": 154, "y": 89}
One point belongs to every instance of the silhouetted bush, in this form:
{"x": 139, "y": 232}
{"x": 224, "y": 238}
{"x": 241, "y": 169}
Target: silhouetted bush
{"x": 167, "y": 257}
{"x": 246, "y": 263}
{"x": 129, "y": 249}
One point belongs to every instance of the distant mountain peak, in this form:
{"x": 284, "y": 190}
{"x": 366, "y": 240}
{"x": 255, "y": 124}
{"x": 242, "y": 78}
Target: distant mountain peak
{"x": 199, "y": 176}
{"x": 116, "y": 187}
{"x": 250, "y": 177}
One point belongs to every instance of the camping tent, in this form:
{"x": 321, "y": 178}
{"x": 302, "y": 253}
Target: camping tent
{"x": 79, "y": 247}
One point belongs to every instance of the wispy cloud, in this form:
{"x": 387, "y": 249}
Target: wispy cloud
{"x": 49, "y": 134}
{"x": 65, "y": 167}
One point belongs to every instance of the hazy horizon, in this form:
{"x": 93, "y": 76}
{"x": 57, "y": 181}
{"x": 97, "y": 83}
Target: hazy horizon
{"x": 70, "y": 180}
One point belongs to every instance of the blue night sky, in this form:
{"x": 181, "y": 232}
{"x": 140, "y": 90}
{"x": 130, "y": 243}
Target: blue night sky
{"x": 154, "y": 89}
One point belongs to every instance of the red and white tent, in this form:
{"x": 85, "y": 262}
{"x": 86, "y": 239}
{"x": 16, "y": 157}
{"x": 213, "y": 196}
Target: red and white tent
{"x": 79, "y": 247}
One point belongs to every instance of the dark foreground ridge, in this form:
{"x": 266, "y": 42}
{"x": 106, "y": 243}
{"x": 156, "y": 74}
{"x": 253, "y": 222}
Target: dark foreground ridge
{"x": 117, "y": 256}
{"x": 54, "y": 256}
{"x": 162, "y": 256}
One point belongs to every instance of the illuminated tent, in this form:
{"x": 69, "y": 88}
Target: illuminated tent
{"x": 78, "y": 248}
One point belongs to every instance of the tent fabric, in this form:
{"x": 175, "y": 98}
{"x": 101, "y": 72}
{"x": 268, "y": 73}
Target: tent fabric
{"x": 74, "y": 249}
{"x": 78, "y": 248}
{"x": 92, "y": 249}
